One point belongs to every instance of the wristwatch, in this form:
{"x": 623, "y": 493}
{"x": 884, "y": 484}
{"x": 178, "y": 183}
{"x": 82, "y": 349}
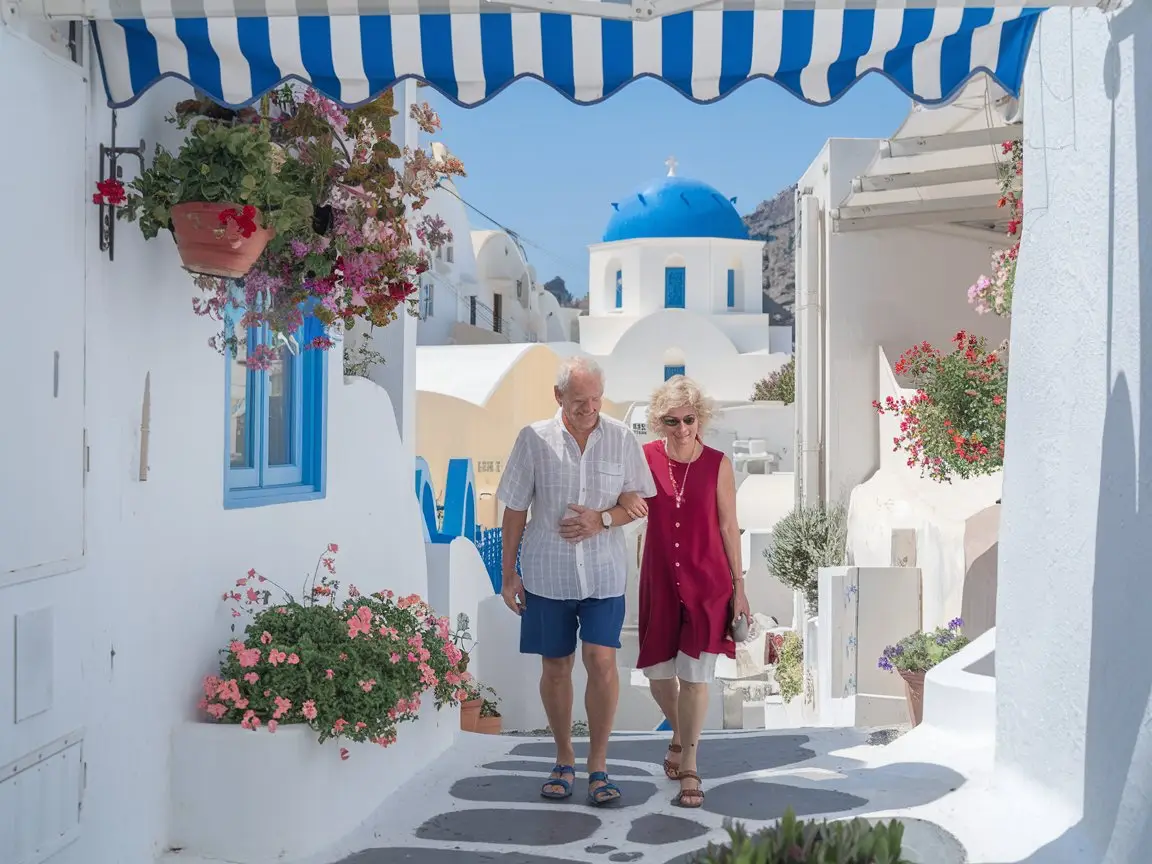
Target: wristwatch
{"x": 606, "y": 518}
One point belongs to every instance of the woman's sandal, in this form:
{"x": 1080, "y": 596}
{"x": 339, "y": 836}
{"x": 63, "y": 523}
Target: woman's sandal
{"x": 689, "y": 798}
{"x": 557, "y": 788}
{"x": 606, "y": 793}
{"x": 672, "y": 772}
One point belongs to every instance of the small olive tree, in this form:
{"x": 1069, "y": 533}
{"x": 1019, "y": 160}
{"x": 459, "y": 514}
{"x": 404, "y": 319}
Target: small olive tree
{"x": 805, "y": 540}
{"x": 780, "y": 386}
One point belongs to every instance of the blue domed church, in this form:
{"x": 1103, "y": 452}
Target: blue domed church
{"x": 675, "y": 287}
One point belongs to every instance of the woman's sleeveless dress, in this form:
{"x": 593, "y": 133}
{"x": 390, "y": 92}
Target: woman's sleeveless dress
{"x": 685, "y": 580}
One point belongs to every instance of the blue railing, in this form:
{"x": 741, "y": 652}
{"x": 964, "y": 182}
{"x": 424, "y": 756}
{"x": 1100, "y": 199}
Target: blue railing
{"x": 490, "y": 544}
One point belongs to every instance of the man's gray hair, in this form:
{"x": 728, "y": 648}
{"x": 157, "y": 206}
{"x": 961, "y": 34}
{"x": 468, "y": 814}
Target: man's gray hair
{"x": 570, "y": 366}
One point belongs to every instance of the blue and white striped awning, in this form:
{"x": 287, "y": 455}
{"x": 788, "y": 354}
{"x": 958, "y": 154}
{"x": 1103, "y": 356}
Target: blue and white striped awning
{"x": 471, "y": 56}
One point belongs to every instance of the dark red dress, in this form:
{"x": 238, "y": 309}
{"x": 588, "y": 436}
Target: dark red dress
{"x": 685, "y": 581}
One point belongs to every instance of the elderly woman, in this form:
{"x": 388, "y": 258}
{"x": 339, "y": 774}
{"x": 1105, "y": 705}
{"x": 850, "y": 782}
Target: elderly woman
{"x": 691, "y": 582}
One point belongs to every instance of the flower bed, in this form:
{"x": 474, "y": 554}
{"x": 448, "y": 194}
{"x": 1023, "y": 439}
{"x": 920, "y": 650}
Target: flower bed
{"x": 954, "y": 425}
{"x": 354, "y": 669}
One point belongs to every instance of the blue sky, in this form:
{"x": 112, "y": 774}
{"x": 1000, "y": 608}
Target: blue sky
{"x": 549, "y": 169}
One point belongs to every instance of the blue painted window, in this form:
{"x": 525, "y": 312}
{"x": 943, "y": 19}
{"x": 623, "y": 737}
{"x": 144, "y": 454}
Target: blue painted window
{"x": 674, "y": 279}
{"x": 619, "y": 289}
{"x": 275, "y": 420}
{"x": 671, "y": 371}
{"x": 731, "y": 289}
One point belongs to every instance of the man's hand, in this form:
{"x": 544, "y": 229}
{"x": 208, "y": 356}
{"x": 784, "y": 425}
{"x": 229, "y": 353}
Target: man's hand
{"x": 633, "y": 505}
{"x": 586, "y": 523}
{"x": 740, "y": 604}
{"x": 512, "y": 590}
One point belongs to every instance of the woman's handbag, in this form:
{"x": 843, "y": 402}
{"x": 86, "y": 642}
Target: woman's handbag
{"x": 738, "y": 629}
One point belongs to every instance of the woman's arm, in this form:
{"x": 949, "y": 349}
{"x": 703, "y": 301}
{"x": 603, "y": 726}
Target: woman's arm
{"x": 730, "y": 532}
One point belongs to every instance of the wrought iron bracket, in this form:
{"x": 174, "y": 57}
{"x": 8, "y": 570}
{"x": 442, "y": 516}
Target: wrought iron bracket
{"x": 110, "y": 167}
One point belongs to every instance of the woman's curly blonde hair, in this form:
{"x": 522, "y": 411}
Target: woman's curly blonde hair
{"x": 678, "y": 392}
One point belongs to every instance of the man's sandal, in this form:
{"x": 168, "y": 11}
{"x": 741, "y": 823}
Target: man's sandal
{"x": 689, "y": 798}
{"x": 557, "y": 788}
{"x": 672, "y": 772}
{"x": 606, "y": 793}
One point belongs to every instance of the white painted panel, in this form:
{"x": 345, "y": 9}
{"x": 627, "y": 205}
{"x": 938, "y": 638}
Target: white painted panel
{"x": 35, "y": 662}
{"x": 40, "y": 802}
{"x": 42, "y": 246}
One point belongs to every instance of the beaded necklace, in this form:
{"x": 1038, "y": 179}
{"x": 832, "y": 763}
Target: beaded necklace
{"x": 678, "y": 492}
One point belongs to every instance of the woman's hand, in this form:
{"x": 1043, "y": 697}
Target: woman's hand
{"x": 633, "y": 505}
{"x": 740, "y": 604}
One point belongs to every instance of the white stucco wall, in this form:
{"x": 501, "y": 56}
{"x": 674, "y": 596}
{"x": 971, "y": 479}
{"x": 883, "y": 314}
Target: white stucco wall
{"x": 634, "y": 365}
{"x": 1073, "y": 682}
{"x": 706, "y": 262}
{"x": 138, "y": 625}
{"x": 503, "y": 267}
{"x": 891, "y": 288}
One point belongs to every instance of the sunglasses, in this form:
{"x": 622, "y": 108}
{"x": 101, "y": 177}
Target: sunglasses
{"x": 673, "y": 422}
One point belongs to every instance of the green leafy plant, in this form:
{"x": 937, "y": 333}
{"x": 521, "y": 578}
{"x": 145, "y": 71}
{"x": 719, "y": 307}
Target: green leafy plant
{"x": 489, "y": 707}
{"x": 808, "y": 538}
{"x": 223, "y": 159}
{"x": 790, "y": 666}
{"x": 792, "y": 841}
{"x": 355, "y": 668}
{"x": 954, "y": 425}
{"x": 780, "y": 386}
{"x": 923, "y": 650}
{"x": 358, "y": 361}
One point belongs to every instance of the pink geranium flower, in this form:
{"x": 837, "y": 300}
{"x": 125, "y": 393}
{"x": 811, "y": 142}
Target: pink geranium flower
{"x": 309, "y": 710}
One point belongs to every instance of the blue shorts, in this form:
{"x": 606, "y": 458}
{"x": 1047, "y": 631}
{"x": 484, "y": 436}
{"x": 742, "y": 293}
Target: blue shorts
{"x": 548, "y": 627}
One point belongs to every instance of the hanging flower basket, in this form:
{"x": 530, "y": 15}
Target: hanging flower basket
{"x": 220, "y": 239}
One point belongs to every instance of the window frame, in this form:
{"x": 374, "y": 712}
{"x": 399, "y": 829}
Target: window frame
{"x": 619, "y": 289}
{"x": 671, "y": 370}
{"x": 682, "y": 293}
{"x": 731, "y": 288}
{"x": 259, "y": 484}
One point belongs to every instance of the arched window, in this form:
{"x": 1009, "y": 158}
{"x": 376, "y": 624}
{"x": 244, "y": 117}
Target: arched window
{"x": 619, "y": 289}
{"x": 674, "y": 363}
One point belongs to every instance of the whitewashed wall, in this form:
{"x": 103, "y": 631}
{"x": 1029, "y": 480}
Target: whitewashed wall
{"x": 452, "y": 282}
{"x": 890, "y": 288}
{"x": 134, "y": 629}
{"x": 1073, "y": 683}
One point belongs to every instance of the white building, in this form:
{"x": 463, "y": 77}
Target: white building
{"x": 675, "y": 287}
{"x": 481, "y": 288}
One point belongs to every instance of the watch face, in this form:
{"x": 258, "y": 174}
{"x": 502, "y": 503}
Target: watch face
{"x": 606, "y": 518}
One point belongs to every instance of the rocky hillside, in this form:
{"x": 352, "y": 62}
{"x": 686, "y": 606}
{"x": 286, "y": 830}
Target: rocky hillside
{"x": 775, "y": 222}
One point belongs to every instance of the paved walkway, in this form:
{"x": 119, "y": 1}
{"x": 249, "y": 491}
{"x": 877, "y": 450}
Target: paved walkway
{"x": 480, "y": 802}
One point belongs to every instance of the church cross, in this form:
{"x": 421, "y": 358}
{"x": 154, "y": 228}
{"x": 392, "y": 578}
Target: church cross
{"x": 671, "y": 163}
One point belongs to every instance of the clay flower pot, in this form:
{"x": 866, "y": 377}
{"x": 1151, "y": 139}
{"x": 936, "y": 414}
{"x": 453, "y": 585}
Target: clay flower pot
{"x": 470, "y": 714}
{"x": 216, "y": 246}
{"x": 914, "y": 692}
{"x": 489, "y": 725}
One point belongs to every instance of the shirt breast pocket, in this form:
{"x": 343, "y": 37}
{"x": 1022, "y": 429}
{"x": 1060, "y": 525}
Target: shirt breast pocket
{"x": 607, "y": 479}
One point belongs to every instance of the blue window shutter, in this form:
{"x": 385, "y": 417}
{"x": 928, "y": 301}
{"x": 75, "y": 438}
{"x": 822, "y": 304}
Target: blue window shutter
{"x": 302, "y": 475}
{"x": 672, "y": 371}
{"x": 619, "y": 289}
{"x": 674, "y": 280}
{"x": 731, "y": 289}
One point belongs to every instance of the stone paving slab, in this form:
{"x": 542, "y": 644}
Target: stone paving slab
{"x": 480, "y": 802}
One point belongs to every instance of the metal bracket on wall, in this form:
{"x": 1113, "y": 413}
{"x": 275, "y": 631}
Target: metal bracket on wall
{"x": 109, "y": 169}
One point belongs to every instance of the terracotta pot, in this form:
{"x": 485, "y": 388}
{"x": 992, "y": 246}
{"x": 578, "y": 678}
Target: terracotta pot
{"x": 469, "y": 714}
{"x": 213, "y": 249}
{"x": 489, "y": 725}
{"x": 914, "y": 692}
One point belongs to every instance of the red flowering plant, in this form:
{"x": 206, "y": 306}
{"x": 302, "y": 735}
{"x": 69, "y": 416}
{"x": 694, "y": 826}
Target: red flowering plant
{"x": 994, "y": 293}
{"x": 361, "y": 255}
{"x": 954, "y": 424}
{"x": 353, "y": 669}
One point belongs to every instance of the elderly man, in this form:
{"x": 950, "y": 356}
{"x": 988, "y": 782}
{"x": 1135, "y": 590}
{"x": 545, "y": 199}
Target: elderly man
{"x": 574, "y": 471}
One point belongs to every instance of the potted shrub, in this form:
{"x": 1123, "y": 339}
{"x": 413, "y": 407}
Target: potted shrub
{"x": 914, "y": 655}
{"x": 221, "y": 195}
{"x": 790, "y": 673}
{"x": 354, "y": 669}
{"x": 490, "y": 719}
{"x": 470, "y": 707}
{"x": 792, "y": 841}
{"x": 805, "y": 540}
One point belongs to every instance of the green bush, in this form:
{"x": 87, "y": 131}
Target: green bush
{"x": 780, "y": 386}
{"x": 792, "y": 841}
{"x": 790, "y": 669}
{"x": 805, "y": 540}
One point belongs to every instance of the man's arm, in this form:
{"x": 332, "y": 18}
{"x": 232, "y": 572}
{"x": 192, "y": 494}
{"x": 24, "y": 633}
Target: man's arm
{"x": 517, "y": 489}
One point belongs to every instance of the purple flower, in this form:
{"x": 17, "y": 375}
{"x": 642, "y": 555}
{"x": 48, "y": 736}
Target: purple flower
{"x": 955, "y": 624}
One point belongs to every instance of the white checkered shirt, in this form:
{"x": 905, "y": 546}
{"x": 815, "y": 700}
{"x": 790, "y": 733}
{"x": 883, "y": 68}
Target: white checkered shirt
{"x": 547, "y": 472}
